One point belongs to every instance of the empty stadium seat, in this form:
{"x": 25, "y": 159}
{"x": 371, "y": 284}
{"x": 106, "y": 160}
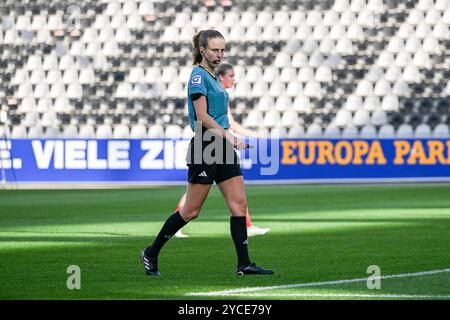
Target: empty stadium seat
{"x": 312, "y": 89}
{"x": 283, "y": 102}
{"x": 121, "y": 131}
{"x": 86, "y": 131}
{"x": 35, "y": 132}
{"x": 138, "y": 131}
{"x": 173, "y": 132}
{"x": 296, "y": 131}
{"x": 70, "y": 131}
{"x": 423, "y": 131}
{"x": 390, "y": 103}
{"x": 51, "y": 132}
{"x": 294, "y": 88}
{"x": 382, "y": 88}
{"x": 19, "y": 132}
{"x": 332, "y": 132}
{"x": 271, "y": 118}
{"x": 368, "y": 132}
{"x": 314, "y": 131}
{"x": 379, "y": 118}
{"x": 371, "y": 103}
{"x": 289, "y": 118}
{"x": 441, "y": 131}
{"x": 343, "y": 118}
{"x": 353, "y": 103}
{"x": 278, "y": 133}
{"x": 350, "y": 132}
{"x": 187, "y": 132}
{"x": 156, "y": 131}
{"x": 405, "y": 131}
{"x": 386, "y": 131}
{"x": 361, "y": 117}
{"x": 303, "y": 104}
{"x": 104, "y": 131}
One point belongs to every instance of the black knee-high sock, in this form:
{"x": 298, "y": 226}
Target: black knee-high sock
{"x": 174, "y": 223}
{"x": 239, "y": 234}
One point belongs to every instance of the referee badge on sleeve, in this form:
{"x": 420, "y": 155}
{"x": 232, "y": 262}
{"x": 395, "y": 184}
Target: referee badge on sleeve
{"x": 197, "y": 80}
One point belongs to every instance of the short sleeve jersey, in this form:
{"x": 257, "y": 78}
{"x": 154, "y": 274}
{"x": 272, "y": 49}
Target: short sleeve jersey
{"x": 201, "y": 81}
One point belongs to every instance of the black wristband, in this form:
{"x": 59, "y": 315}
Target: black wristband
{"x": 196, "y": 96}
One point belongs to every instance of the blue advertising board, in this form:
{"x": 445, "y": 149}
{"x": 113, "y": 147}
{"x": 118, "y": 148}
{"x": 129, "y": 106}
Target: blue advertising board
{"x": 163, "y": 161}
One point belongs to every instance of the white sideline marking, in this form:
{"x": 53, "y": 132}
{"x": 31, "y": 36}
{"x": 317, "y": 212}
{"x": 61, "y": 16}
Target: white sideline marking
{"x": 338, "y": 295}
{"x": 313, "y": 284}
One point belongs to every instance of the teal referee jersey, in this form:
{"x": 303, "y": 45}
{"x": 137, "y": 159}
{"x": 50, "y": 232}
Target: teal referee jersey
{"x": 201, "y": 81}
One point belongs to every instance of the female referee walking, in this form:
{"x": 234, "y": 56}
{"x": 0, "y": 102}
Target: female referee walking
{"x": 225, "y": 73}
{"x": 208, "y": 106}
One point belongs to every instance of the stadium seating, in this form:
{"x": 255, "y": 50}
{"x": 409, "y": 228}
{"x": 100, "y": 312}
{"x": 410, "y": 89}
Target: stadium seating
{"x": 343, "y": 68}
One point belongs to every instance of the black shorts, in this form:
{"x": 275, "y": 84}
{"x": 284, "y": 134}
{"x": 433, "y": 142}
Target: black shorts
{"x": 208, "y": 165}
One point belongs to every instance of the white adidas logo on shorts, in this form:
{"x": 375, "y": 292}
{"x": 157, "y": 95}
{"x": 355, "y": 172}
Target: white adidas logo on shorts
{"x": 203, "y": 174}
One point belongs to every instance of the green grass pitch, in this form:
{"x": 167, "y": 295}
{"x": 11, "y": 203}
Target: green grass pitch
{"x": 319, "y": 234}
